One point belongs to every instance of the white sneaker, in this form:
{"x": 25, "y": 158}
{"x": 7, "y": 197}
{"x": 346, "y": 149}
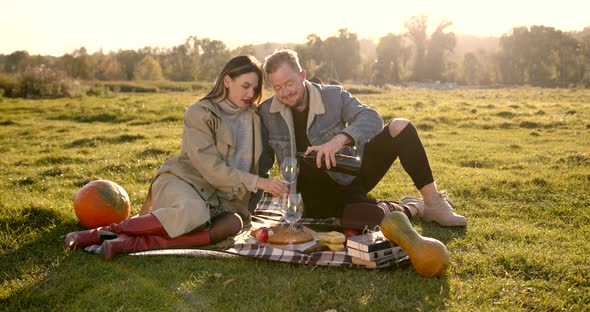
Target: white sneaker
{"x": 417, "y": 203}
{"x": 440, "y": 210}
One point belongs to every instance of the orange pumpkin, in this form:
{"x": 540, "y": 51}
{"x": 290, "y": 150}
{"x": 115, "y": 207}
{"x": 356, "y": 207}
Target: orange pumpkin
{"x": 101, "y": 203}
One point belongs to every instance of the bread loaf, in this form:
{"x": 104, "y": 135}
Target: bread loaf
{"x": 282, "y": 235}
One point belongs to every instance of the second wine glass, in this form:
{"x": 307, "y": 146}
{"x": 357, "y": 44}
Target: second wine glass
{"x": 293, "y": 209}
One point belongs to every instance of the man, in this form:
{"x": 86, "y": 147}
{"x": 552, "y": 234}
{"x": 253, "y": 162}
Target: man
{"x": 307, "y": 117}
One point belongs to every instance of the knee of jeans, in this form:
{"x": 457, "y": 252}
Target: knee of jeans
{"x": 397, "y": 125}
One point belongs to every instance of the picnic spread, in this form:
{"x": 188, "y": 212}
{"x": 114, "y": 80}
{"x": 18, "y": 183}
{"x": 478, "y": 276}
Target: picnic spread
{"x": 307, "y": 245}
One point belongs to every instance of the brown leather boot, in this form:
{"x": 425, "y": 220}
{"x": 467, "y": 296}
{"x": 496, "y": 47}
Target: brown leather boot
{"x": 131, "y": 243}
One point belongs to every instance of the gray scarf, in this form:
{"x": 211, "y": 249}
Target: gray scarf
{"x": 240, "y": 121}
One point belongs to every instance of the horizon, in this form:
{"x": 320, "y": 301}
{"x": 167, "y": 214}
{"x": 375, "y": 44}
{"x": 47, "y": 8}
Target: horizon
{"x": 62, "y": 26}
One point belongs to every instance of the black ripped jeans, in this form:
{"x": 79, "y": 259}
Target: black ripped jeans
{"x": 323, "y": 197}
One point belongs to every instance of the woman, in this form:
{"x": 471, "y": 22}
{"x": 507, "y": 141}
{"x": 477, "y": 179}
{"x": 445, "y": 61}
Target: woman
{"x": 201, "y": 196}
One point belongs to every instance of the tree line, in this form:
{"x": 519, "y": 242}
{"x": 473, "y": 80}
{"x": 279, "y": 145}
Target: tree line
{"x": 535, "y": 55}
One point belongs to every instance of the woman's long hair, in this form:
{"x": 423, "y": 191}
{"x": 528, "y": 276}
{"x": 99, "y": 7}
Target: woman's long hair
{"x": 237, "y": 66}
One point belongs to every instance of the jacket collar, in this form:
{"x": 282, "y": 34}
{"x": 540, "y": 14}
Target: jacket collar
{"x": 316, "y": 105}
{"x": 209, "y": 104}
{"x": 276, "y": 106}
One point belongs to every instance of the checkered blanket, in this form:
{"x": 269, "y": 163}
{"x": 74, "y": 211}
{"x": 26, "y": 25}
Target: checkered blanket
{"x": 268, "y": 213}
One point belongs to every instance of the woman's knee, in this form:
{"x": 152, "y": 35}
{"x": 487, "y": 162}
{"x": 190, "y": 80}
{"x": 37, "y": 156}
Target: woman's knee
{"x": 397, "y": 125}
{"x": 225, "y": 225}
{"x": 235, "y": 223}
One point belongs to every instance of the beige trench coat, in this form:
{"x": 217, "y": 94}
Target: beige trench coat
{"x": 207, "y": 142}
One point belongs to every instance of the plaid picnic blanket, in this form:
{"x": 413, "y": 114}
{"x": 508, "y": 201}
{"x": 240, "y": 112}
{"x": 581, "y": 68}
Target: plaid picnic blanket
{"x": 268, "y": 213}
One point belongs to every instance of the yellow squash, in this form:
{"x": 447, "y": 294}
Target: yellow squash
{"x": 429, "y": 256}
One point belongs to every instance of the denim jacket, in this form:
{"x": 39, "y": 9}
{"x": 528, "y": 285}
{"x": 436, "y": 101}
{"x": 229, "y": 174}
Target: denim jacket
{"x": 332, "y": 110}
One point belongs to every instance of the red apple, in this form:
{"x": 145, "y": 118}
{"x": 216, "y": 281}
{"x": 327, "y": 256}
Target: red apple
{"x": 262, "y": 234}
{"x": 351, "y": 232}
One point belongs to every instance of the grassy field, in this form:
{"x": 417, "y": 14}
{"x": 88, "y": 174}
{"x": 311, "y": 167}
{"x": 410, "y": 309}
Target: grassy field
{"x": 516, "y": 162}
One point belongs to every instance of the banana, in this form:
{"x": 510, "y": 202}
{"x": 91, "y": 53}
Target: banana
{"x": 335, "y": 247}
{"x": 318, "y": 247}
{"x": 331, "y": 237}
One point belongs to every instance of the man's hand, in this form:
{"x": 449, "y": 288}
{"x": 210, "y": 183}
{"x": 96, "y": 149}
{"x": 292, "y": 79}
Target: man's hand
{"x": 276, "y": 187}
{"x": 329, "y": 150}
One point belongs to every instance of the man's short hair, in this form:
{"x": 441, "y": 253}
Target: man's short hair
{"x": 280, "y": 57}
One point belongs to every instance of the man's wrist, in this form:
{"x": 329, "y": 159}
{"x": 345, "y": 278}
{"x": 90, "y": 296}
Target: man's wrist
{"x": 343, "y": 138}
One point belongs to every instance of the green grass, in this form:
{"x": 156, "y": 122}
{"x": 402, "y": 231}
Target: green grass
{"x": 516, "y": 162}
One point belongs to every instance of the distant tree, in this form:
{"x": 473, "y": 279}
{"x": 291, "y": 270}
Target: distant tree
{"x": 310, "y": 55}
{"x": 148, "y": 69}
{"x": 583, "y": 55}
{"x": 488, "y": 69}
{"x": 430, "y": 53}
{"x": 342, "y": 54}
{"x": 178, "y": 62}
{"x": 85, "y": 64}
{"x": 391, "y": 56}
{"x": 108, "y": 68}
{"x": 471, "y": 69}
{"x": 540, "y": 56}
{"x": 416, "y": 27}
{"x": 568, "y": 58}
{"x": 181, "y": 63}
{"x": 66, "y": 63}
{"x": 174, "y": 63}
{"x": 195, "y": 51}
{"x": 150, "y": 51}
{"x": 452, "y": 72}
{"x": 127, "y": 60}
{"x": 16, "y": 62}
{"x": 366, "y": 71}
{"x": 327, "y": 68}
{"x": 439, "y": 45}
{"x": 244, "y": 50}
{"x": 214, "y": 56}
{"x": 304, "y": 57}
{"x": 513, "y": 58}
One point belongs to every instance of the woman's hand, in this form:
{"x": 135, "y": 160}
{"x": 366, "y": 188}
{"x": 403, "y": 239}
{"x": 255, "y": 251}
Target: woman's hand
{"x": 329, "y": 150}
{"x": 276, "y": 187}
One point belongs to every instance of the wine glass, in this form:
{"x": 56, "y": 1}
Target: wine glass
{"x": 289, "y": 170}
{"x": 293, "y": 209}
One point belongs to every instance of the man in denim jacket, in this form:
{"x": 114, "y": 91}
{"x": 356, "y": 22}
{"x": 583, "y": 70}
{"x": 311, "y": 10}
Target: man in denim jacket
{"x": 306, "y": 117}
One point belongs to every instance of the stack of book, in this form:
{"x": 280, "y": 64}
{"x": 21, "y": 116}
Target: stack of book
{"x": 374, "y": 250}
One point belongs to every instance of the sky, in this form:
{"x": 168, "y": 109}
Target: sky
{"x": 57, "y": 27}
